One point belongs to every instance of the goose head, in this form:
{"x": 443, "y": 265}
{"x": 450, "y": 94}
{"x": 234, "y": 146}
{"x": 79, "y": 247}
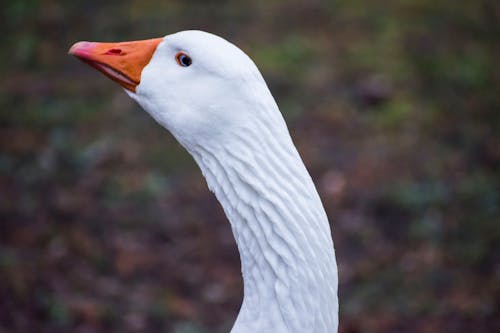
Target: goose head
{"x": 195, "y": 84}
{"x": 211, "y": 97}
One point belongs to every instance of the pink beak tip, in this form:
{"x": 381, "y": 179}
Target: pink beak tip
{"x": 80, "y": 48}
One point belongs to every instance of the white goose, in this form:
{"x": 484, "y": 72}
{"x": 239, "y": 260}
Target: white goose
{"x": 212, "y": 98}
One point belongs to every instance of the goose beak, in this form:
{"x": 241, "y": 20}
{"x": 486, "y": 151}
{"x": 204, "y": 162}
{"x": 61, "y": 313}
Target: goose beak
{"x": 121, "y": 62}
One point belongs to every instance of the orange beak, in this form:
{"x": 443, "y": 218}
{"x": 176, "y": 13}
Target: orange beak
{"x": 121, "y": 62}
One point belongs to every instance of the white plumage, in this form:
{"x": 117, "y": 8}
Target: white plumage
{"x": 220, "y": 109}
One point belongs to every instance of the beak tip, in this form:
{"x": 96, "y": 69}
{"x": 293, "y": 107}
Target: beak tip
{"x": 80, "y": 47}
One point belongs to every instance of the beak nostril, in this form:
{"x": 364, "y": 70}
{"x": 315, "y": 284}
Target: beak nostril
{"x": 114, "y": 52}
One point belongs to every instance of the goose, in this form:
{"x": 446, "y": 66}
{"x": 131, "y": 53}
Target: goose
{"x": 212, "y": 98}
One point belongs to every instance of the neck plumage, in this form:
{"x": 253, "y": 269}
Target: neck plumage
{"x": 281, "y": 229}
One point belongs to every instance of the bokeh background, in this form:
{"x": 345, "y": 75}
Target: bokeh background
{"x": 106, "y": 224}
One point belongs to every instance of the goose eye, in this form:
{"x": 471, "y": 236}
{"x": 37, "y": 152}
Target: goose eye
{"x": 183, "y": 59}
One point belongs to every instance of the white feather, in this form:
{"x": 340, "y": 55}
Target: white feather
{"x": 222, "y": 112}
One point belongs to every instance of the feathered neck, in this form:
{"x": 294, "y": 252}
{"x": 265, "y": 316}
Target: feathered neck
{"x": 282, "y": 232}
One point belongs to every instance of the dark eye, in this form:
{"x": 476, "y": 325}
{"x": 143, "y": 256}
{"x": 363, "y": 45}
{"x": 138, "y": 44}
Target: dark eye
{"x": 183, "y": 59}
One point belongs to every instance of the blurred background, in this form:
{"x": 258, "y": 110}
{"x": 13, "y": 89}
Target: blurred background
{"x": 106, "y": 224}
